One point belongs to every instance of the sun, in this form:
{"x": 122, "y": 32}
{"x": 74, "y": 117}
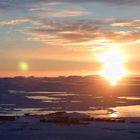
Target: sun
{"x": 23, "y": 66}
{"x": 113, "y": 69}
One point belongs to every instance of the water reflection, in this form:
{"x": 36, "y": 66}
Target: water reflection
{"x": 128, "y": 111}
{"x": 95, "y": 105}
{"x": 43, "y": 98}
{"x": 129, "y": 97}
{"x": 124, "y": 111}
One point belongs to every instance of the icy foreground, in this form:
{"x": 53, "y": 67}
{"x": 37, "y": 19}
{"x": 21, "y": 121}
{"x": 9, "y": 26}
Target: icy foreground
{"x": 69, "y": 126}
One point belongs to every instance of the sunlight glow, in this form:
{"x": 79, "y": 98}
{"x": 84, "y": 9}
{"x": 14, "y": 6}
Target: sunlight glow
{"x": 23, "y": 66}
{"x": 114, "y": 68}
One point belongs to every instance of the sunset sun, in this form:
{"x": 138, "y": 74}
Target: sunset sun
{"x": 114, "y": 68}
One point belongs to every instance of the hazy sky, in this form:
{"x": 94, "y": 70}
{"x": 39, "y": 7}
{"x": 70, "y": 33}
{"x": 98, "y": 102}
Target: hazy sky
{"x": 64, "y": 37}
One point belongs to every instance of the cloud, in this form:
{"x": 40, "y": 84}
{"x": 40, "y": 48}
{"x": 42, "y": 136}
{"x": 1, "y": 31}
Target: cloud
{"x": 104, "y": 1}
{"x": 4, "y": 7}
{"x": 118, "y": 2}
{"x": 55, "y": 12}
{"x": 85, "y": 34}
{"x": 25, "y": 5}
{"x": 79, "y": 33}
{"x": 132, "y": 24}
{"x": 14, "y": 21}
{"x": 5, "y": 4}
